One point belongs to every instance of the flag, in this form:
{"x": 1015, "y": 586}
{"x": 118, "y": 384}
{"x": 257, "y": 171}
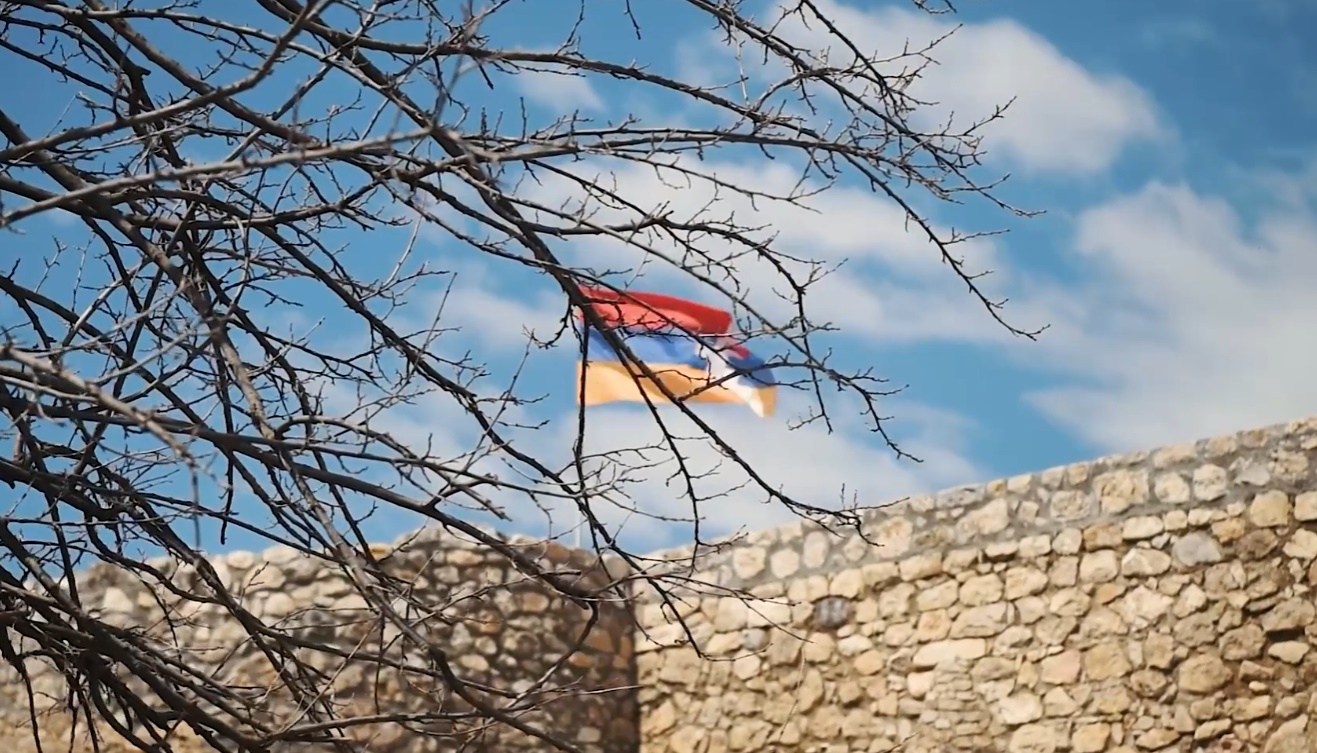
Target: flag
{"x": 686, "y": 344}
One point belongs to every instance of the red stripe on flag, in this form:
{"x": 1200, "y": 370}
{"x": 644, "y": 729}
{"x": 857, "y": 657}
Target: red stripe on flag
{"x": 656, "y": 311}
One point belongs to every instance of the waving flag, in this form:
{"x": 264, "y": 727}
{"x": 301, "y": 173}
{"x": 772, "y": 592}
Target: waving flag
{"x": 686, "y": 344}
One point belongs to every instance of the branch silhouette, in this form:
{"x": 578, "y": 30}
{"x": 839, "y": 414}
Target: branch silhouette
{"x": 219, "y": 172}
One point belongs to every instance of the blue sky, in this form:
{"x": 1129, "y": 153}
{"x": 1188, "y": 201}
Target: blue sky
{"x": 1171, "y": 145}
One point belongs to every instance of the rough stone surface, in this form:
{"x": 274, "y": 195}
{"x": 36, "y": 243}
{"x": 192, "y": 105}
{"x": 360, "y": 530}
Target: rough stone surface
{"x": 1157, "y": 602}
{"x": 497, "y": 627}
{"x": 1160, "y": 601}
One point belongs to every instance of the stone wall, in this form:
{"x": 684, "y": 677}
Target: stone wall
{"x": 497, "y": 626}
{"x": 1158, "y": 601}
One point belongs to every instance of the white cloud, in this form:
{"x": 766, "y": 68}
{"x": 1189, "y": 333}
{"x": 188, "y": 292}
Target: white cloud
{"x": 558, "y": 91}
{"x": 1192, "y": 320}
{"x": 810, "y": 465}
{"x": 892, "y": 287}
{"x": 475, "y": 308}
{"x": 1064, "y": 119}
{"x": 648, "y": 508}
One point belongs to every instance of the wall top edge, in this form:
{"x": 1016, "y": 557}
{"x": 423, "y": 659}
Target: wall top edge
{"x": 1206, "y": 474}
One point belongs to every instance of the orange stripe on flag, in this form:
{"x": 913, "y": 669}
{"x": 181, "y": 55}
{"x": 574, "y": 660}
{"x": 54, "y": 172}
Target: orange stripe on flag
{"x": 611, "y": 381}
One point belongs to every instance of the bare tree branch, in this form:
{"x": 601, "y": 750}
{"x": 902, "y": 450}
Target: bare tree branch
{"x": 216, "y": 173}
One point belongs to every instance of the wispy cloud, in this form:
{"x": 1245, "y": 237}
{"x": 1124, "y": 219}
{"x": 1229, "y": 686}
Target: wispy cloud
{"x": 560, "y": 92}
{"x": 885, "y": 280}
{"x": 1192, "y": 320}
{"x": 1063, "y": 118}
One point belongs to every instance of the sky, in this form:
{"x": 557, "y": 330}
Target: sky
{"x": 1171, "y": 145}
